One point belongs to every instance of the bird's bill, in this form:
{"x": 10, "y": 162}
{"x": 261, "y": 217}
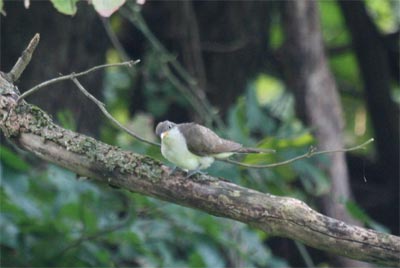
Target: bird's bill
{"x": 164, "y": 134}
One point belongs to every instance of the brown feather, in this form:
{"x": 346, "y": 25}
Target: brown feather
{"x": 203, "y": 141}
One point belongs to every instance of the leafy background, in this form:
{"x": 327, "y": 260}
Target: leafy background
{"x": 49, "y": 217}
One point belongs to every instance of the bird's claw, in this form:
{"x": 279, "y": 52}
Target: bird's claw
{"x": 193, "y": 172}
{"x": 172, "y": 171}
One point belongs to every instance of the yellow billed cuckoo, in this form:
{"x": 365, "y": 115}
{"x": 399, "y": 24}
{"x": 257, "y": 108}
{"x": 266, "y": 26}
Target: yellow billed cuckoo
{"x": 193, "y": 147}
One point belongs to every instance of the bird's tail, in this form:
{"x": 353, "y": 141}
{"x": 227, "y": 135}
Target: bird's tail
{"x": 245, "y": 150}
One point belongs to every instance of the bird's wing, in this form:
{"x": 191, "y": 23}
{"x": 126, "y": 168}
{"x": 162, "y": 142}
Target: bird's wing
{"x": 203, "y": 141}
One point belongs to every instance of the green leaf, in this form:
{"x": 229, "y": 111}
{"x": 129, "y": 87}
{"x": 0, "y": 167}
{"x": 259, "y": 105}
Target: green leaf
{"x": 383, "y": 13}
{"x": 313, "y": 179}
{"x": 210, "y": 255}
{"x": 345, "y": 68}
{"x": 255, "y": 115}
{"x": 356, "y": 211}
{"x": 268, "y": 89}
{"x": 11, "y": 159}
{"x": 107, "y": 7}
{"x": 67, "y": 7}
{"x": 333, "y": 27}
{"x": 16, "y": 188}
{"x": 299, "y": 141}
{"x": 9, "y": 232}
{"x": 237, "y": 122}
{"x": 276, "y": 34}
{"x": 66, "y": 119}
{"x": 1, "y": 8}
{"x": 195, "y": 260}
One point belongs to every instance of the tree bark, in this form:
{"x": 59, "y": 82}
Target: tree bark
{"x": 317, "y": 100}
{"x": 32, "y": 129}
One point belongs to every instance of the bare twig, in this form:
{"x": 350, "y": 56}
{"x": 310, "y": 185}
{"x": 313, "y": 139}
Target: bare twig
{"x": 114, "y": 39}
{"x": 182, "y": 89}
{"x": 107, "y": 114}
{"x": 24, "y": 60}
{"x": 66, "y": 77}
{"x": 304, "y": 254}
{"x": 309, "y": 154}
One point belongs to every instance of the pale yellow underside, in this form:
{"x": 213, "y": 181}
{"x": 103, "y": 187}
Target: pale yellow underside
{"x": 175, "y": 150}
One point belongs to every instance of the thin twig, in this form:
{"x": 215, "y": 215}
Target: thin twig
{"x": 114, "y": 39}
{"x": 304, "y": 254}
{"x": 66, "y": 77}
{"x": 24, "y": 59}
{"x": 182, "y": 89}
{"x": 309, "y": 154}
{"x": 107, "y": 114}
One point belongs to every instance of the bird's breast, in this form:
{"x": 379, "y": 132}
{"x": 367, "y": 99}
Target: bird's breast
{"x": 175, "y": 150}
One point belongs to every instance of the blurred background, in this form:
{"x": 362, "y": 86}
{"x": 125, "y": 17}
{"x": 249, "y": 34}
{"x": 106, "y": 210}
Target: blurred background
{"x": 273, "y": 74}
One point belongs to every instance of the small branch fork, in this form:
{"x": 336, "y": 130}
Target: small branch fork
{"x": 107, "y": 114}
{"x": 74, "y": 75}
{"x": 24, "y": 60}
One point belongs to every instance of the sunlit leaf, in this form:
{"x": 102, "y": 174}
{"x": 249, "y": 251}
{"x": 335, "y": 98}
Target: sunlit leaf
{"x": 384, "y": 14}
{"x": 268, "y": 89}
{"x": 334, "y": 30}
{"x": 67, "y": 7}
{"x": 1, "y": 7}
{"x": 107, "y": 7}
{"x": 299, "y": 141}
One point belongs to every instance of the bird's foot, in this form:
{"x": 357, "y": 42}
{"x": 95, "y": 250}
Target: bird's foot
{"x": 196, "y": 171}
{"x": 172, "y": 171}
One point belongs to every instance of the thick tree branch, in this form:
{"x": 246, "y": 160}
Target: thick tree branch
{"x": 33, "y": 130}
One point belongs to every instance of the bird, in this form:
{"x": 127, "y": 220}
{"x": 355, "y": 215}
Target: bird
{"x": 193, "y": 147}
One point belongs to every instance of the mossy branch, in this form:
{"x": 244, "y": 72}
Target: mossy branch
{"x": 32, "y": 130}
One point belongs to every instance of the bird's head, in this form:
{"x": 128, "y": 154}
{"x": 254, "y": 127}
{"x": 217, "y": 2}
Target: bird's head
{"x": 163, "y": 128}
